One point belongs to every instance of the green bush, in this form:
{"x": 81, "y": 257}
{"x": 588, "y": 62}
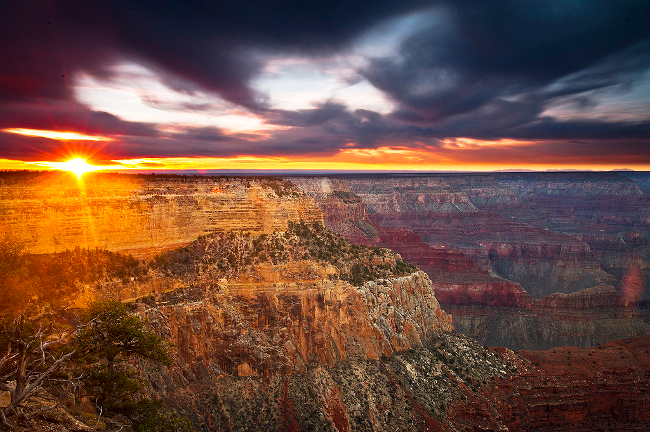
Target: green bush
{"x": 105, "y": 343}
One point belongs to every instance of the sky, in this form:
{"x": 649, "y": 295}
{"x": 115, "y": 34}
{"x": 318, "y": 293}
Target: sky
{"x": 337, "y": 85}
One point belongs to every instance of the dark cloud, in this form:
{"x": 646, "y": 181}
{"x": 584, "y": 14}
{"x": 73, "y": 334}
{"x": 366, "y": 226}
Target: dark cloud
{"x": 207, "y": 44}
{"x": 207, "y": 134}
{"x": 308, "y": 117}
{"x": 178, "y": 145}
{"x": 498, "y": 51}
{"x": 486, "y": 70}
{"x": 360, "y": 128}
{"x": 549, "y": 128}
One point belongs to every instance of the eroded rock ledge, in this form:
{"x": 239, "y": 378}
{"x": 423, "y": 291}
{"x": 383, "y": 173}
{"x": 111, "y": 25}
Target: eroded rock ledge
{"x": 281, "y": 328}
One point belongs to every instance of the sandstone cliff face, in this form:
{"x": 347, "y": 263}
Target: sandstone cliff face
{"x": 448, "y": 383}
{"x": 280, "y": 328}
{"x": 411, "y": 195}
{"x": 143, "y": 214}
{"x": 409, "y": 390}
{"x": 451, "y": 384}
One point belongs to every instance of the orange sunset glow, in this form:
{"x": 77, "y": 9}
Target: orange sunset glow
{"x": 451, "y": 155}
{"x": 56, "y": 135}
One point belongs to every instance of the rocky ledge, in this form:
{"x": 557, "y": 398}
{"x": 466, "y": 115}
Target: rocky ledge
{"x": 280, "y": 328}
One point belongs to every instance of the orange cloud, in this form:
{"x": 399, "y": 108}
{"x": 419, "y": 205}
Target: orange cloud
{"x": 459, "y": 154}
{"x": 56, "y": 135}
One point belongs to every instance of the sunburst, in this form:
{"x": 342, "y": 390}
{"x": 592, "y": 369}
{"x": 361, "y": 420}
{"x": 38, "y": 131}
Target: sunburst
{"x": 77, "y": 166}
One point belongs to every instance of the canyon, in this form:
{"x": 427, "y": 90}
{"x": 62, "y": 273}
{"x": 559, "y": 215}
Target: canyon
{"x": 365, "y": 302}
{"x": 497, "y": 245}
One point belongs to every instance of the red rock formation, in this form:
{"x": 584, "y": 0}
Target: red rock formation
{"x": 605, "y": 387}
{"x": 260, "y": 329}
{"x": 413, "y": 249}
{"x": 456, "y": 279}
{"x": 591, "y": 299}
{"x": 541, "y": 260}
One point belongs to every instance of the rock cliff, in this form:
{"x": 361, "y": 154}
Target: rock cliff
{"x": 141, "y": 214}
{"x": 448, "y": 383}
{"x": 279, "y": 320}
{"x": 280, "y": 328}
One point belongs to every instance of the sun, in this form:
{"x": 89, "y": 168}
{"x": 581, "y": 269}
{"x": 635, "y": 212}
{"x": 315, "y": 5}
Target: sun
{"x": 78, "y": 166}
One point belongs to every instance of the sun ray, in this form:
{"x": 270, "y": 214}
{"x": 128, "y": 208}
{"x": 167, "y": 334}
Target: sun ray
{"x": 77, "y": 166}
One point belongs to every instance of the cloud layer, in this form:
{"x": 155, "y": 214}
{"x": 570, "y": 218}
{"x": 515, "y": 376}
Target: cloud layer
{"x": 557, "y": 75}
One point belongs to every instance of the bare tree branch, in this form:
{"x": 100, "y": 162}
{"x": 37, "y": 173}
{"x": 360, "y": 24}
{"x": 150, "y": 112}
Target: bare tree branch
{"x": 101, "y": 410}
{"x": 26, "y": 362}
{"x": 29, "y": 389}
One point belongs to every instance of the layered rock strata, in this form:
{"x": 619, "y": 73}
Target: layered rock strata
{"x": 143, "y": 215}
{"x": 493, "y": 273}
{"x": 280, "y": 328}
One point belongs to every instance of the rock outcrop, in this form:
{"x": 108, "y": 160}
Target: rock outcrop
{"x": 280, "y": 328}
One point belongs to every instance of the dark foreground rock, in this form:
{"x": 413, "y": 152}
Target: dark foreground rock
{"x": 452, "y": 383}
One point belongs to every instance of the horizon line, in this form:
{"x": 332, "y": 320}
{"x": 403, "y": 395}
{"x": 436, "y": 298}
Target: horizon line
{"x": 209, "y": 172}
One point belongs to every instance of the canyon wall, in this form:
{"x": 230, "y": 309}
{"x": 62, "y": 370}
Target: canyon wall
{"x": 141, "y": 214}
{"x": 445, "y": 381}
{"x": 268, "y": 329}
{"x": 496, "y": 245}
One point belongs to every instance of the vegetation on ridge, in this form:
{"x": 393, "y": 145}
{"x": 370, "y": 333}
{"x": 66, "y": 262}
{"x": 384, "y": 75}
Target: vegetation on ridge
{"x": 55, "y": 280}
{"x": 31, "y": 280}
{"x": 230, "y": 254}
